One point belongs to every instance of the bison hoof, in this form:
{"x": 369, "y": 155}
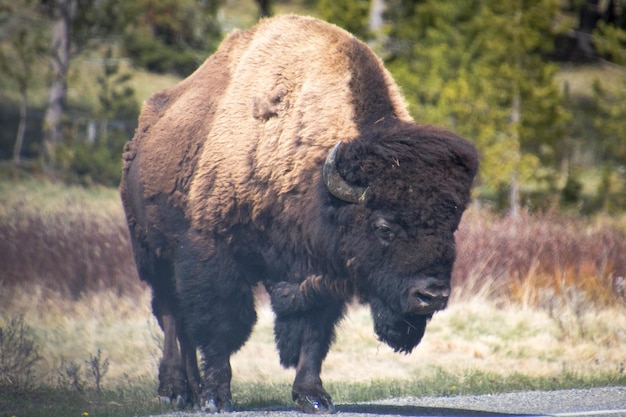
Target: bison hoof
{"x": 211, "y": 406}
{"x": 316, "y": 406}
{"x": 177, "y": 403}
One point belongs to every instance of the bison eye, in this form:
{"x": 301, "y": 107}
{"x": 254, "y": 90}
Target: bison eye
{"x": 384, "y": 231}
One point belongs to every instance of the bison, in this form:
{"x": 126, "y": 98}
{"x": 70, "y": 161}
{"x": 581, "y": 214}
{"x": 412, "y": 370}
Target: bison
{"x": 288, "y": 159}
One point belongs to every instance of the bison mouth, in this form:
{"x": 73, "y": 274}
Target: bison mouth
{"x": 401, "y": 332}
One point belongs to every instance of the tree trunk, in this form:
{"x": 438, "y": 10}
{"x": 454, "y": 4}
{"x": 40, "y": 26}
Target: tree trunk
{"x": 516, "y": 117}
{"x": 21, "y": 129}
{"x": 53, "y": 128}
{"x": 265, "y": 8}
{"x": 514, "y": 192}
{"x": 376, "y": 18}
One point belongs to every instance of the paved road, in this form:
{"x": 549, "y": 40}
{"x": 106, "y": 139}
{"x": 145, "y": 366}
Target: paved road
{"x": 594, "y": 402}
{"x": 567, "y": 403}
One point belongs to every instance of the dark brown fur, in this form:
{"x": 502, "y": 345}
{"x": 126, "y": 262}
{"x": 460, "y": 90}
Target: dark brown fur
{"x": 223, "y": 189}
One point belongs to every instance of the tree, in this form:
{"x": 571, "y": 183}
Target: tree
{"x": 610, "y": 42}
{"x": 477, "y": 67}
{"x": 93, "y": 155}
{"x": 265, "y": 8}
{"x": 61, "y": 12}
{"x": 161, "y": 34}
{"x": 352, "y": 15}
{"x": 97, "y": 157}
{"x": 171, "y": 35}
{"x": 610, "y": 118}
{"x": 21, "y": 49}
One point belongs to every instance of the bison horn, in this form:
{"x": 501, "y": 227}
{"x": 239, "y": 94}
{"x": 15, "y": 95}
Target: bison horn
{"x": 337, "y": 186}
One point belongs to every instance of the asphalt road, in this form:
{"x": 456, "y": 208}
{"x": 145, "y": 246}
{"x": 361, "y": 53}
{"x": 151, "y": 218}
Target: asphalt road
{"x": 600, "y": 402}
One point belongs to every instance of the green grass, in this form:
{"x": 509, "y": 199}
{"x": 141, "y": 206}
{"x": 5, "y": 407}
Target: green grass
{"x": 46, "y": 197}
{"x": 441, "y": 382}
{"x": 140, "y": 400}
{"x": 54, "y": 402}
{"x": 579, "y": 79}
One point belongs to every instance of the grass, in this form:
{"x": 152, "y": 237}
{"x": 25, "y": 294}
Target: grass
{"x": 31, "y": 196}
{"x": 535, "y": 306}
{"x": 474, "y": 347}
{"x": 579, "y": 79}
{"x": 524, "y": 259}
{"x": 65, "y": 239}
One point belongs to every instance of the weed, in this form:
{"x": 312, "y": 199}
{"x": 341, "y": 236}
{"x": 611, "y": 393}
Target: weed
{"x": 18, "y": 356}
{"x": 70, "y": 376}
{"x": 98, "y": 368}
{"x": 568, "y": 308}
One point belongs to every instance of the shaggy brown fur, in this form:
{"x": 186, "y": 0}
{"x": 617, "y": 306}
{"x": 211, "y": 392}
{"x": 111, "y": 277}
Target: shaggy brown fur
{"x": 223, "y": 189}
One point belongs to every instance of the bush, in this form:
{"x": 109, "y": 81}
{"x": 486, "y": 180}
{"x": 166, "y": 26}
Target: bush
{"x": 518, "y": 258}
{"x": 18, "y": 356}
{"x": 74, "y": 249}
{"x": 98, "y": 162}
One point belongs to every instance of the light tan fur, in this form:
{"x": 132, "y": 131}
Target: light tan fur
{"x": 218, "y": 138}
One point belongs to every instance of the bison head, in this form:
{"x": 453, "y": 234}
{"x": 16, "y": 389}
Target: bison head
{"x": 407, "y": 187}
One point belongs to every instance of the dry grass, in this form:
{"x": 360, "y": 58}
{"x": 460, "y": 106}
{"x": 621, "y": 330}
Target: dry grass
{"x": 469, "y": 335}
{"x": 536, "y": 295}
{"x": 580, "y": 78}
{"x": 68, "y": 332}
{"x": 472, "y": 335}
{"x": 522, "y": 259}
{"x": 67, "y": 240}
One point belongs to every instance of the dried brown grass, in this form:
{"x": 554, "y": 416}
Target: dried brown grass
{"x": 519, "y": 259}
{"x": 64, "y": 240}
{"x": 69, "y": 331}
{"x": 471, "y": 335}
{"x": 537, "y": 294}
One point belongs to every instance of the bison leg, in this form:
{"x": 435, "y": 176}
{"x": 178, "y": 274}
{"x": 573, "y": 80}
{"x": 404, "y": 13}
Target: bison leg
{"x": 159, "y": 274}
{"x": 303, "y": 341}
{"x": 172, "y": 379}
{"x": 190, "y": 361}
{"x": 172, "y": 384}
{"x": 218, "y": 308}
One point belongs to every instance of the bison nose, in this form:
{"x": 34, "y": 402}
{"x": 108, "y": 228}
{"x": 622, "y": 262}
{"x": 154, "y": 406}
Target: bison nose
{"x": 427, "y": 296}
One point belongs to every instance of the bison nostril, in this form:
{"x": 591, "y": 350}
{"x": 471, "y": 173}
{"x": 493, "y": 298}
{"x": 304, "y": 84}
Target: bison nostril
{"x": 422, "y": 297}
{"x": 425, "y": 299}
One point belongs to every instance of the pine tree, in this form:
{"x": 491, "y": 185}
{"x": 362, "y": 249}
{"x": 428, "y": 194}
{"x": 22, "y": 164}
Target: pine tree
{"x": 351, "y": 15}
{"x": 477, "y": 67}
{"x": 610, "y": 119}
{"x": 23, "y": 41}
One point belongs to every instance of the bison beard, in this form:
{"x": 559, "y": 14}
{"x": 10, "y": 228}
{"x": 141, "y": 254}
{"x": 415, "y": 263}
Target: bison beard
{"x": 288, "y": 159}
{"x": 401, "y": 333}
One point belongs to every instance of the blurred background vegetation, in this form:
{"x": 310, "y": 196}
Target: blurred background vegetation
{"x": 538, "y": 85}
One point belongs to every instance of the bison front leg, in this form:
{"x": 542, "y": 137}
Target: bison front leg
{"x": 303, "y": 341}
{"x": 314, "y": 292}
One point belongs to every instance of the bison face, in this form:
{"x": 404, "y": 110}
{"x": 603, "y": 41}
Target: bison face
{"x": 404, "y": 275}
{"x": 407, "y": 189}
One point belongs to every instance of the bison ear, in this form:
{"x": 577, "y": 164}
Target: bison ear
{"x": 335, "y": 183}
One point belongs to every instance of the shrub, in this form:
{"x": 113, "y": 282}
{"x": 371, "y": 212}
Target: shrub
{"x": 76, "y": 249}
{"x": 18, "y": 356}
{"x": 518, "y": 258}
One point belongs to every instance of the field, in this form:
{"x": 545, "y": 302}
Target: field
{"x": 538, "y": 303}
